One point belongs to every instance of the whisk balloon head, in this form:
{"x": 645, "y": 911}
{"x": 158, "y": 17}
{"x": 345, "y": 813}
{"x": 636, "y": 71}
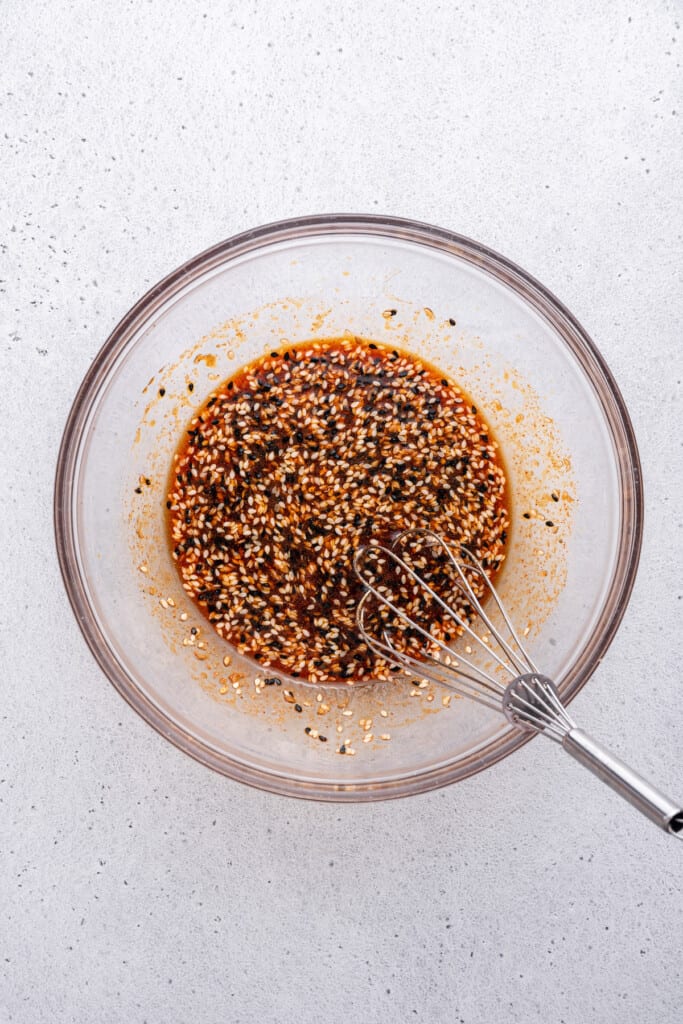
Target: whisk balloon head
{"x": 402, "y": 586}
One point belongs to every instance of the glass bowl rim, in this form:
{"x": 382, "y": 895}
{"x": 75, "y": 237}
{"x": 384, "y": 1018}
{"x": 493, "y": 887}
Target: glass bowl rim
{"x": 501, "y": 269}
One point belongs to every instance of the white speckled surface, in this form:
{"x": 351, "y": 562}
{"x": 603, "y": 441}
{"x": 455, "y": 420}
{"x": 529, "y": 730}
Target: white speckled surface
{"x": 134, "y": 884}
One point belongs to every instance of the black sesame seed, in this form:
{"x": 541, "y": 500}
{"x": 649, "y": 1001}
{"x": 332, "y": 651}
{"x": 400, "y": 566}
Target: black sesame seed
{"x": 162, "y": 392}
{"x": 190, "y": 386}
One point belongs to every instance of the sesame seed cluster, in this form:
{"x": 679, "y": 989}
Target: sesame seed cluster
{"x": 301, "y": 458}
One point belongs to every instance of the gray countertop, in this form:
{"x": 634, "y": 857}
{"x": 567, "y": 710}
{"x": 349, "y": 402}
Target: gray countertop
{"x": 136, "y": 885}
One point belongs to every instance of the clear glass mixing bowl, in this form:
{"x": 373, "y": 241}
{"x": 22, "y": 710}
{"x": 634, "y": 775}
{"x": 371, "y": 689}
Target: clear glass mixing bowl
{"x": 527, "y": 363}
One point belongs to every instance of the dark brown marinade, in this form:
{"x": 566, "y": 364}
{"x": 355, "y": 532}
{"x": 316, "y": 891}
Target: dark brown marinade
{"x": 299, "y": 459}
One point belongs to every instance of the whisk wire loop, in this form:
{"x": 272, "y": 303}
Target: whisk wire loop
{"x": 519, "y": 658}
{"x": 486, "y": 689}
{"x": 460, "y": 622}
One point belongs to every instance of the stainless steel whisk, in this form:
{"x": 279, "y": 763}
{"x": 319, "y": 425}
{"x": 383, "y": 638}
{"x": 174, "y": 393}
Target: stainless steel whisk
{"x": 528, "y": 699}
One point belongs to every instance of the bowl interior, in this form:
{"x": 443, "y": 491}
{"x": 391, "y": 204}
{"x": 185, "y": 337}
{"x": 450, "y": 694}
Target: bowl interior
{"x": 565, "y": 440}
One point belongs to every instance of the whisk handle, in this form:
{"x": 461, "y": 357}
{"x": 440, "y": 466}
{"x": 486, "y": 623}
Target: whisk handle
{"x": 623, "y": 780}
